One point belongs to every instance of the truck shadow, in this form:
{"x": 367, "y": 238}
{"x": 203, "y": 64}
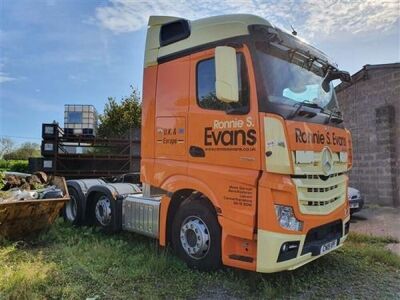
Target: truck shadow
{"x": 357, "y": 218}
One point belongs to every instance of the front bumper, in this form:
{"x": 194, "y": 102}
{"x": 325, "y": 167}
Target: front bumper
{"x": 269, "y": 245}
{"x": 356, "y": 205}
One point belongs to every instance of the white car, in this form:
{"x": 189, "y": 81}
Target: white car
{"x": 355, "y": 200}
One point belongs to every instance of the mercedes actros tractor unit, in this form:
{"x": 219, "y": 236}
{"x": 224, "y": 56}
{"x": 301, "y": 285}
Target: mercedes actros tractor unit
{"x": 244, "y": 155}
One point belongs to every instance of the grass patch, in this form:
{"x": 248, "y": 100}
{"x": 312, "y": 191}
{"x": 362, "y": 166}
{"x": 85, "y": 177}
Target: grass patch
{"x": 372, "y": 249}
{"x": 76, "y": 263}
{"x": 371, "y": 239}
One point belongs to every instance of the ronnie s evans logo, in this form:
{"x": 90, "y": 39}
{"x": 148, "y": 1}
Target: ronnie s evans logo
{"x": 224, "y": 134}
{"x": 327, "y": 138}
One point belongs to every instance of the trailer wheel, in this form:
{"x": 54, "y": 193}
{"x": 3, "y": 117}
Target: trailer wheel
{"x": 72, "y": 212}
{"x": 196, "y": 236}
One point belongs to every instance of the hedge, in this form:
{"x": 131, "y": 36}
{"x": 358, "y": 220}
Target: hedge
{"x": 14, "y": 165}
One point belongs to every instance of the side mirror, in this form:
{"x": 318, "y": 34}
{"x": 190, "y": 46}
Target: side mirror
{"x": 226, "y": 74}
{"x": 332, "y": 75}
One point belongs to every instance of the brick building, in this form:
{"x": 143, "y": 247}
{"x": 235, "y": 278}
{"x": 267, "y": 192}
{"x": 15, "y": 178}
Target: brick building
{"x": 371, "y": 110}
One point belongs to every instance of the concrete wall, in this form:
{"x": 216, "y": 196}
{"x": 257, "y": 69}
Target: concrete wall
{"x": 371, "y": 111}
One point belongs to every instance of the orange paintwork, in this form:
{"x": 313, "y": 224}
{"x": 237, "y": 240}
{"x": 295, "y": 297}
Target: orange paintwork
{"x": 350, "y": 150}
{"x": 148, "y": 122}
{"x": 165, "y": 200}
{"x": 231, "y": 176}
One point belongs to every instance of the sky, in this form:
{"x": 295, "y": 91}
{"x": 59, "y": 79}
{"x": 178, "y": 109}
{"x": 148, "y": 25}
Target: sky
{"x": 56, "y": 52}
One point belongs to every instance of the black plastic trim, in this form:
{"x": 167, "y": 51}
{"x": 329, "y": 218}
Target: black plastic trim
{"x": 233, "y": 42}
{"x": 247, "y": 259}
{"x": 320, "y": 235}
{"x": 174, "y": 37}
{"x": 196, "y": 151}
{"x": 347, "y": 228}
{"x": 290, "y": 253}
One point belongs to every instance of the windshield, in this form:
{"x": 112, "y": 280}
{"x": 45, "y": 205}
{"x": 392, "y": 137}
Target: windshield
{"x": 291, "y": 78}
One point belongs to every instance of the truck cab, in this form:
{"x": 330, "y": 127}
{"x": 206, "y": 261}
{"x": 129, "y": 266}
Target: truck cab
{"x": 243, "y": 141}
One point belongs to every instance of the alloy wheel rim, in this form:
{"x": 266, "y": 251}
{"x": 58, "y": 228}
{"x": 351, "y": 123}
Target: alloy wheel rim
{"x": 103, "y": 210}
{"x": 195, "y": 237}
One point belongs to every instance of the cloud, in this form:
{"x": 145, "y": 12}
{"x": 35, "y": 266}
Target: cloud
{"x": 4, "y": 77}
{"x": 130, "y": 15}
{"x": 77, "y": 78}
{"x": 352, "y": 16}
{"x": 311, "y": 18}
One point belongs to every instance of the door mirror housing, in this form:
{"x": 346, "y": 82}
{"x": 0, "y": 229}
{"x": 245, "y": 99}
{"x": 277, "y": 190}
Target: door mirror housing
{"x": 332, "y": 75}
{"x": 226, "y": 75}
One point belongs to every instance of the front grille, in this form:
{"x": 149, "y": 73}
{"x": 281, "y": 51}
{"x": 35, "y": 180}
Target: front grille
{"x": 318, "y": 195}
{"x": 323, "y": 177}
{"x": 318, "y": 236}
{"x": 321, "y": 190}
{"x": 322, "y": 203}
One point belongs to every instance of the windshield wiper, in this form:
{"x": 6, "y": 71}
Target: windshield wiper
{"x": 304, "y": 103}
{"x": 334, "y": 118}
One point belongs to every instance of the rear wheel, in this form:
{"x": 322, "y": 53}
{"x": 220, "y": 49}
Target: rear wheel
{"x": 102, "y": 211}
{"x": 196, "y": 236}
{"x": 72, "y": 211}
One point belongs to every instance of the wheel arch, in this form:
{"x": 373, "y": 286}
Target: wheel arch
{"x": 180, "y": 189}
{"x": 82, "y": 187}
{"x": 72, "y": 184}
{"x": 178, "y": 183}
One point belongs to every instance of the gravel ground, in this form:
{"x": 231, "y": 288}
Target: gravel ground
{"x": 378, "y": 221}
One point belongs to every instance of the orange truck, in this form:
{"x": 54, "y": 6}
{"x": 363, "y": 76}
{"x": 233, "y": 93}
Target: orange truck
{"x": 244, "y": 155}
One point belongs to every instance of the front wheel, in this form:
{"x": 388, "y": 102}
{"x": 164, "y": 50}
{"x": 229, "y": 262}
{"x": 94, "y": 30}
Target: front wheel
{"x": 196, "y": 236}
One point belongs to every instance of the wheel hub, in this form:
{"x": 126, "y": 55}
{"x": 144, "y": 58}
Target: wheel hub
{"x": 195, "y": 237}
{"x": 103, "y": 210}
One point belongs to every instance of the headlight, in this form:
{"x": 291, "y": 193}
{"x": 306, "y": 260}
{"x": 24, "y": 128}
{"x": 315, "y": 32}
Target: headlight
{"x": 287, "y": 219}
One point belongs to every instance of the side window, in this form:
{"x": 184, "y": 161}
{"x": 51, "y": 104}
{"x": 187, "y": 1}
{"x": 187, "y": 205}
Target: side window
{"x": 206, "y": 97}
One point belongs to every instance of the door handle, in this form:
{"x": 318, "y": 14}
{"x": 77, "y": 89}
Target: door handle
{"x": 196, "y": 151}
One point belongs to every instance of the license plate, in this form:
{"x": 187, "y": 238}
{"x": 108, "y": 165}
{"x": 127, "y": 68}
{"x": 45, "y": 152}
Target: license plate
{"x": 328, "y": 246}
{"x": 354, "y": 205}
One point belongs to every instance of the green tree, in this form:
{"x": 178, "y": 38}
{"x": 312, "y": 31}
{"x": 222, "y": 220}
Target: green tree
{"x": 119, "y": 118}
{"x": 6, "y": 146}
{"x": 24, "y": 151}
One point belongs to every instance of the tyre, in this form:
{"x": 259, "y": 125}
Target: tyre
{"x": 196, "y": 235}
{"x": 72, "y": 211}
